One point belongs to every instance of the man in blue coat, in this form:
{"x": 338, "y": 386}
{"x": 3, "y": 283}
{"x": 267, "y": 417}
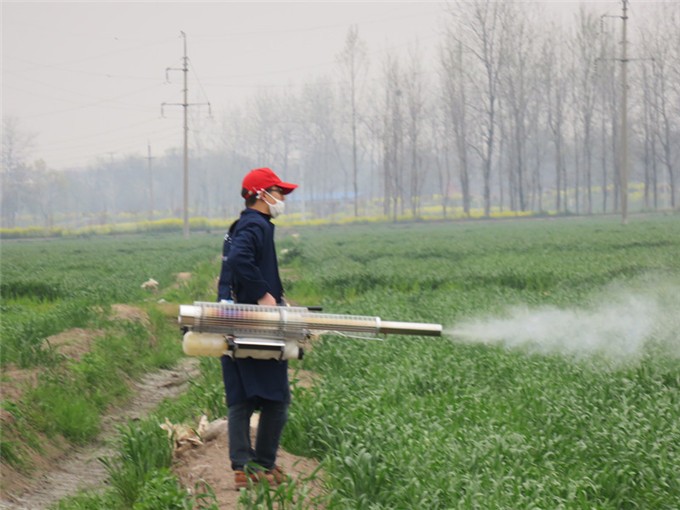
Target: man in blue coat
{"x": 250, "y": 275}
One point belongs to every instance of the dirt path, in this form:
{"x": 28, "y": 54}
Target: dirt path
{"x": 81, "y": 468}
{"x": 208, "y": 463}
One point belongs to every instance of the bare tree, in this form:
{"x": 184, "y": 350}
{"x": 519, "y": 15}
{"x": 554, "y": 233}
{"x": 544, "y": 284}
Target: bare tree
{"x": 373, "y": 125}
{"x": 586, "y": 94}
{"x": 456, "y": 108}
{"x": 261, "y": 125}
{"x": 354, "y": 62}
{"x": 318, "y": 144}
{"x": 48, "y": 187}
{"x": 518, "y": 93}
{"x": 539, "y": 141}
{"x": 661, "y": 42}
{"x": 393, "y": 138}
{"x": 414, "y": 91}
{"x": 554, "y": 83}
{"x": 442, "y": 135}
{"x": 16, "y": 148}
{"x": 608, "y": 111}
{"x": 650, "y": 119}
{"x": 481, "y": 26}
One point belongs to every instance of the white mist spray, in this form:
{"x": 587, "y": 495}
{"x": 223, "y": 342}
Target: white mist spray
{"x": 618, "y": 325}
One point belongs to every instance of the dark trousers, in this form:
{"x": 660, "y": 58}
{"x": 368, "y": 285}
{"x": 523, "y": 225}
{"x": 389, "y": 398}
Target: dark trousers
{"x": 273, "y": 417}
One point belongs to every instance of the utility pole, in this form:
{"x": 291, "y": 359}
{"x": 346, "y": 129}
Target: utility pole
{"x": 624, "y": 164}
{"x": 624, "y": 161}
{"x": 185, "y": 105}
{"x": 114, "y": 199}
{"x": 148, "y": 159}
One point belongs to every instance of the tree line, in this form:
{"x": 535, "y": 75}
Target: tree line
{"x": 512, "y": 111}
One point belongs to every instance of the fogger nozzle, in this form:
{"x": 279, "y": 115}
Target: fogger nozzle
{"x": 410, "y": 328}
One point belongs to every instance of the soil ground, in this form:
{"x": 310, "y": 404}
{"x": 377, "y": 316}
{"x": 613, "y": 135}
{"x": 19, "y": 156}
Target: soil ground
{"x": 80, "y": 469}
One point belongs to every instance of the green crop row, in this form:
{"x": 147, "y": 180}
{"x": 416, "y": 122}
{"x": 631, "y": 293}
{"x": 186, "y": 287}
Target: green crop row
{"x": 440, "y": 423}
{"x": 52, "y": 285}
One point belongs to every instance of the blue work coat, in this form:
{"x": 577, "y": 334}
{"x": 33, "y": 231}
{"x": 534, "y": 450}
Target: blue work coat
{"x": 250, "y": 268}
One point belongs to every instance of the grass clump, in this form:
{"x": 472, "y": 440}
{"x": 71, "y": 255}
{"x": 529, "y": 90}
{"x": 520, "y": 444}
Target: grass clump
{"x": 139, "y": 477}
{"x": 291, "y": 494}
{"x": 143, "y": 449}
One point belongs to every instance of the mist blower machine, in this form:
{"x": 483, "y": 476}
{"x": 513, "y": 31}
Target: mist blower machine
{"x": 276, "y": 332}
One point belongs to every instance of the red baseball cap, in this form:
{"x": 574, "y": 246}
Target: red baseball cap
{"x": 263, "y": 178}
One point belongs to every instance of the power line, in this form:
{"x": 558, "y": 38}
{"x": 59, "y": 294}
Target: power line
{"x": 52, "y": 148}
{"x": 315, "y": 28}
{"x": 193, "y": 70}
{"x": 98, "y": 56}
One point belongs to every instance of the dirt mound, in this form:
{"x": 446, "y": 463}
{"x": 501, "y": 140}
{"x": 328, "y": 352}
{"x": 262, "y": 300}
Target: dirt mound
{"x": 183, "y": 277}
{"x": 130, "y": 313}
{"x": 16, "y": 380}
{"x": 181, "y": 280}
{"x": 74, "y": 343}
{"x": 209, "y": 463}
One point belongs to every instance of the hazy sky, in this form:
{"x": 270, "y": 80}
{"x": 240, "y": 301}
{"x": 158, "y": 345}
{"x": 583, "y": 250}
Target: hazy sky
{"x": 88, "y": 78}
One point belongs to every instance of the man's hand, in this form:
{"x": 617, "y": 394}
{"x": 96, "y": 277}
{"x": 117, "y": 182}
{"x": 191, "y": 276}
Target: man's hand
{"x": 267, "y": 300}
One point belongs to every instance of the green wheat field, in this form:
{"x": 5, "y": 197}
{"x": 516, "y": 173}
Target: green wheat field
{"x": 555, "y": 385}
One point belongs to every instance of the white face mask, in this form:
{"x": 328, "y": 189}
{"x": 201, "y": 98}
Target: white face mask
{"x": 277, "y": 208}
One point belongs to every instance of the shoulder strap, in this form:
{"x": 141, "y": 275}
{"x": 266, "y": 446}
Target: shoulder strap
{"x": 224, "y": 290}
